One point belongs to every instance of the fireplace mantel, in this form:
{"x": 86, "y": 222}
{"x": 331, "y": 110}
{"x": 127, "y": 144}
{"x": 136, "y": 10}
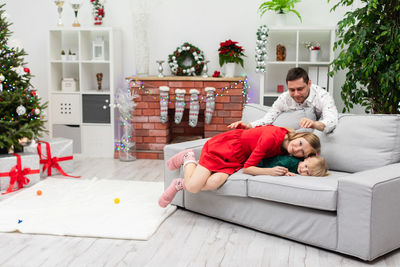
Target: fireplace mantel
{"x": 186, "y": 78}
{"x": 151, "y": 135}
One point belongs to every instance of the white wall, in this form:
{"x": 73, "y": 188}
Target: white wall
{"x": 171, "y": 22}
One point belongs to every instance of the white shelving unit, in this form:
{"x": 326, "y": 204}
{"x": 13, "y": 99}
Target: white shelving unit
{"x": 83, "y": 115}
{"x": 297, "y": 55}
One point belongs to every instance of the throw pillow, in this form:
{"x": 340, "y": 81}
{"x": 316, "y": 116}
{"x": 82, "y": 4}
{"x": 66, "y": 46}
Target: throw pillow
{"x": 291, "y": 118}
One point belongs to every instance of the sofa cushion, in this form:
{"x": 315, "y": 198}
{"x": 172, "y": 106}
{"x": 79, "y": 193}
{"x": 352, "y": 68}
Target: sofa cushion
{"x": 252, "y": 112}
{"x": 292, "y": 118}
{"x": 236, "y": 185}
{"x": 306, "y": 191}
{"x": 362, "y": 142}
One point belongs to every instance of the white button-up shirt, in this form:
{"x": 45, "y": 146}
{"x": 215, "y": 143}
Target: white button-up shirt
{"x": 318, "y": 99}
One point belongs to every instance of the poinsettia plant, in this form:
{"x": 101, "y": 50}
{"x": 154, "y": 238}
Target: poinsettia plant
{"x": 230, "y": 52}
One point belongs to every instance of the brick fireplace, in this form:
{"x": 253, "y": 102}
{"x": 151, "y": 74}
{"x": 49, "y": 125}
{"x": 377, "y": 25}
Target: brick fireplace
{"x": 151, "y": 135}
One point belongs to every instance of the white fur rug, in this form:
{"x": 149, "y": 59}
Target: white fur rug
{"x": 78, "y": 207}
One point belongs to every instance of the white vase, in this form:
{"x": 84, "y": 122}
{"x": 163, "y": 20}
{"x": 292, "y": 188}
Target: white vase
{"x": 230, "y": 70}
{"x": 314, "y": 55}
{"x": 280, "y": 19}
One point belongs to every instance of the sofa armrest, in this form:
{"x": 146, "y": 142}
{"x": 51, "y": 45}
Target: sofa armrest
{"x": 369, "y": 212}
{"x": 171, "y": 150}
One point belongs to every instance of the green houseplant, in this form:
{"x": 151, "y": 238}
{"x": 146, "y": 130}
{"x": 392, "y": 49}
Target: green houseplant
{"x": 369, "y": 39}
{"x": 279, "y": 6}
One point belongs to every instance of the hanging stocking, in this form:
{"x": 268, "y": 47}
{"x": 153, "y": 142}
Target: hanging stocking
{"x": 210, "y": 103}
{"x": 164, "y": 97}
{"x": 194, "y": 107}
{"x": 179, "y": 104}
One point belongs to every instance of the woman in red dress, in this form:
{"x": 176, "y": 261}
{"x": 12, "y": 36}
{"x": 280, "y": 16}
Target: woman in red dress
{"x": 230, "y": 151}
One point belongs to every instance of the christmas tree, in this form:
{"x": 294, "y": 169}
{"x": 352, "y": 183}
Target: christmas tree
{"x": 20, "y": 108}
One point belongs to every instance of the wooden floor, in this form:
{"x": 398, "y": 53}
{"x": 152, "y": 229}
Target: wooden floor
{"x": 184, "y": 239}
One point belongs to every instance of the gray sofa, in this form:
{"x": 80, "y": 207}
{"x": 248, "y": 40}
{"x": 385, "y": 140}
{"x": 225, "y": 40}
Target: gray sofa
{"x": 354, "y": 210}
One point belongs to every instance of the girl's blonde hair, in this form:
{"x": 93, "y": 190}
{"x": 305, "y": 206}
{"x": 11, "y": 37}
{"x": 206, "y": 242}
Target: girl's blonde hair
{"x": 318, "y": 167}
{"x": 311, "y": 138}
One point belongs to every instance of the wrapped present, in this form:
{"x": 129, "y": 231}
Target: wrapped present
{"x": 18, "y": 170}
{"x": 55, "y": 156}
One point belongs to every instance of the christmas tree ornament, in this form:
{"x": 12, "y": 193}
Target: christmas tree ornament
{"x": 164, "y": 99}
{"x": 261, "y": 50}
{"x": 179, "y": 104}
{"x": 194, "y": 107}
{"x": 210, "y": 103}
{"x": 21, "y": 110}
{"x": 124, "y": 101}
{"x": 37, "y": 111}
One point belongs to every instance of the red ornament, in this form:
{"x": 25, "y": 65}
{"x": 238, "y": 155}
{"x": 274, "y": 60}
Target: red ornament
{"x": 27, "y": 70}
{"x": 33, "y": 93}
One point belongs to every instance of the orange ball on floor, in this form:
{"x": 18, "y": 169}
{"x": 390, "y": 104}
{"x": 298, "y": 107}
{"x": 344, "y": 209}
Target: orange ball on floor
{"x": 39, "y": 192}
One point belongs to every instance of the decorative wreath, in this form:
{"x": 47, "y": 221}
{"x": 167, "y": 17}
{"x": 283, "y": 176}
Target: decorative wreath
{"x": 186, "y": 60}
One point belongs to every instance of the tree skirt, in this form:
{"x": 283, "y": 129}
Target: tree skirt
{"x": 88, "y": 208}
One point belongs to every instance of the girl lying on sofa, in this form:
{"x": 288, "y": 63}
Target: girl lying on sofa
{"x": 230, "y": 151}
{"x": 311, "y": 166}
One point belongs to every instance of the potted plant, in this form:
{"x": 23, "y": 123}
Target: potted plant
{"x": 230, "y": 54}
{"x": 63, "y": 55}
{"x": 369, "y": 40}
{"x": 72, "y": 56}
{"x": 314, "y": 48}
{"x": 280, "y": 7}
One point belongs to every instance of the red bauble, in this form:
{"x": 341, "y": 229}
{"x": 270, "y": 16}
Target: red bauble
{"x": 27, "y": 70}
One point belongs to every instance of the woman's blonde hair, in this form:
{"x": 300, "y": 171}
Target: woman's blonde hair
{"x": 311, "y": 138}
{"x": 318, "y": 167}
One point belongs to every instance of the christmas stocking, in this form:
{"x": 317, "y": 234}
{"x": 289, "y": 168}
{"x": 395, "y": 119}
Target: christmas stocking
{"x": 194, "y": 107}
{"x": 164, "y": 96}
{"x": 179, "y": 104}
{"x": 210, "y": 103}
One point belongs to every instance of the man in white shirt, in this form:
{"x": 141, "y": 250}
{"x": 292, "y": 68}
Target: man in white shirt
{"x": 301, "y": 94}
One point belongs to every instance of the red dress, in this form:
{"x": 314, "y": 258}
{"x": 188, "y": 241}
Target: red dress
{"x": 230, "y": 151}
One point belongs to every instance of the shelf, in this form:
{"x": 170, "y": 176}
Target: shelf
{"x": 96, "y": 92}
{"x": 95, "y": 61}
{"x": 293, "y": 38}
{"x": 272, "y": 94}
{"x": 64, "y": 93}
{"x": 87, "y": 108}
{"x": 281, "y": 62}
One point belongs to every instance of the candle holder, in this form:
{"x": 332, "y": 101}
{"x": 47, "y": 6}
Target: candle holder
{"x": 76, "y": 4}
{"x": 59, "y": 4}
{"x": 160, "y": 68}
{"x": 205, "y": 69}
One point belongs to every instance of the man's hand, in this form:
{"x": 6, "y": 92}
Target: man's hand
{"x": 239, "y": 125}
{"x": 290, "y": 174}
{"x": 308, "y": 123}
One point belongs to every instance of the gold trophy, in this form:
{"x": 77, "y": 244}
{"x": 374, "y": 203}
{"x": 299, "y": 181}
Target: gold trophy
{"x": 76, "y": 4}
{"x": 59, "y": 4}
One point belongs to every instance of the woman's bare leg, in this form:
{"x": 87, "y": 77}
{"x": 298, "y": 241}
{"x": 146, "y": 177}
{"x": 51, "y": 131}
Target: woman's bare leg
{"x": 215, "y": 181}
{"x": 196, "y": 178}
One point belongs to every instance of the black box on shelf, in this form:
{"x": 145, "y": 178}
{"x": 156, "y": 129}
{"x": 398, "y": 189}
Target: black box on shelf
{"x": 95, "y": 108}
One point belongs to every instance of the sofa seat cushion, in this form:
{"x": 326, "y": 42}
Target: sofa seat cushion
{"x": 236, "y": 185}
{"x": 306, "y": 191}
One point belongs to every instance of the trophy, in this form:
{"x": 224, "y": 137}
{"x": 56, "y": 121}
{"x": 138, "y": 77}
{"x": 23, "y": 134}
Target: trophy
{"x": 76, "y": 4}
{"x": 59, "y": 4}
{"x": 160, "y": 68}
{"x": 205, "y": 69}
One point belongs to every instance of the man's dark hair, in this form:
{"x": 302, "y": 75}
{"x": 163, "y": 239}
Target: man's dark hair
{"x": 297, "y": 73}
